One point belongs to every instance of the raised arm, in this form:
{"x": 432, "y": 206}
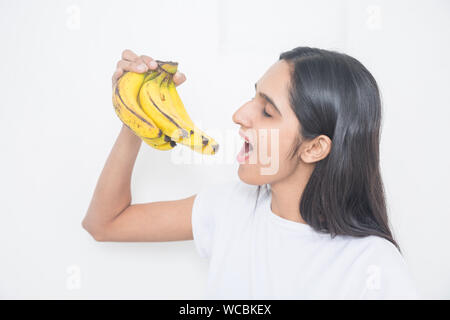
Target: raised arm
{"x": 111, "y": 216}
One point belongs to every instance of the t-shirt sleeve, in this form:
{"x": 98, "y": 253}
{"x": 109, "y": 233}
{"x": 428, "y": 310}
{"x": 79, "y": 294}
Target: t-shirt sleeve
{"x": 205, "y": 213}
{"x": 388, "y": 277}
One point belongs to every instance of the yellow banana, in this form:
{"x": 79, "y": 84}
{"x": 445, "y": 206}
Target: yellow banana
{"x": 149, "y": 105}
{"x": 127, "y": 107}
{"x": 129, "y": 112}
{"x": 150, "y": 101}
{"x": 161, "y": 146}
{"x": 162, "y": 143}
{"x": 159, "y": 143}
{"x": 194, "y": 139}
{"x": 198, "y": 140}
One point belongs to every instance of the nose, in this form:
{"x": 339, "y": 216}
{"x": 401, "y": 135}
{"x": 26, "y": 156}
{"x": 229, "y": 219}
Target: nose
{"x": 242, "y": 117}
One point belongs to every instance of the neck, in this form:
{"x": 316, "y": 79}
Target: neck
{"x": 286, "y": 194}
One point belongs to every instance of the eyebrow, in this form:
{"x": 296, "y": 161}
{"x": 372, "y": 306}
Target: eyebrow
{"x": 268, "y": 99}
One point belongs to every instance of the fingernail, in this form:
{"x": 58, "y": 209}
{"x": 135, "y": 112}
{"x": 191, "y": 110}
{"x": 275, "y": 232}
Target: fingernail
{"x": 153, "y": 64}
{"x": 141, "y": 67}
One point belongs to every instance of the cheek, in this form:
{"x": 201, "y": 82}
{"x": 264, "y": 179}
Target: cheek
{"x": 285, "y": 141}
{"x": 270, "y": 146}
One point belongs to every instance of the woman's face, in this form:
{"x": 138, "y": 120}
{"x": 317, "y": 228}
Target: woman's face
{"x": 271, "y": 128}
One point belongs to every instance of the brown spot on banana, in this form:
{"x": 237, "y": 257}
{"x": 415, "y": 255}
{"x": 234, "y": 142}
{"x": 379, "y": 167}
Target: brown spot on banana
{"x": 204, "y": 140}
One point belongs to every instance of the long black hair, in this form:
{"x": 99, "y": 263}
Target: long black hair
{"x": 333, "y": 94}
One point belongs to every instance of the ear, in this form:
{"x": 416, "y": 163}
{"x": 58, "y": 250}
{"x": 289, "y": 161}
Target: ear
{"x": 316, "y": 149}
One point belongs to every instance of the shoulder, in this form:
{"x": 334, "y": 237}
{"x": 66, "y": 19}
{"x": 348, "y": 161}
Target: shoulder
{"x": 377, "y": 246}
{"x": 385, "y": 271}
{"x": 383, "y": 252}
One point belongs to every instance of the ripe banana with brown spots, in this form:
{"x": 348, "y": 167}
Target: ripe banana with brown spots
{"x": 149, "y": 104}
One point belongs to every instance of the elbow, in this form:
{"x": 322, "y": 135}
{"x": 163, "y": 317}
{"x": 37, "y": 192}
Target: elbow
{"x": 96, "y": 232}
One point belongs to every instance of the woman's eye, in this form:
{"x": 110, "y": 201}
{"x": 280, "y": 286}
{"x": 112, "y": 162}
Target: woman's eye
{"x": 265, "y": 114}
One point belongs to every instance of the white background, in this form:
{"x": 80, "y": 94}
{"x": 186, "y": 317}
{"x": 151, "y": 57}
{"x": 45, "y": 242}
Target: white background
{"x": 57, "y": 127}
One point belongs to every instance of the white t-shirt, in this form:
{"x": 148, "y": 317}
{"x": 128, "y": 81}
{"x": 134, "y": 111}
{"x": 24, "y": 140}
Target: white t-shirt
{"x": 255, "y": 254}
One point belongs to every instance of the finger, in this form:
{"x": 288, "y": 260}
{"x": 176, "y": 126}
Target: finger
{"x": 129, "y": 55}
{"x": 152, "y": 65}
{"x": 147, "y": 61}
{"x": 179, "y": 78}
{"x": 117, "y": 75}
{"x": 132, "y": 66}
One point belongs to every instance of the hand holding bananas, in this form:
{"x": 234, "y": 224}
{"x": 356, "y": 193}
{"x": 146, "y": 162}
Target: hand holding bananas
{"x": 148, "y": 103}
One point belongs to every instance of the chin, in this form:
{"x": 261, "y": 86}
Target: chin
{"x": 249, "y": 174}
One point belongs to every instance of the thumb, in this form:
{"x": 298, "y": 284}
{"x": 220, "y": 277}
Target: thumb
{"x": 179, "y": 78}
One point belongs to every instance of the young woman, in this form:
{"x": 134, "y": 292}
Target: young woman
{"x": 317, "y": 227}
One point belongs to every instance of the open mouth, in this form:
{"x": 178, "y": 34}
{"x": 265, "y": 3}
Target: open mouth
{"x": 245, "y": 152}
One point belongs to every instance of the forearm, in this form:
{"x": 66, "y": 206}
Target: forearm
{"x": 113, "y": 192}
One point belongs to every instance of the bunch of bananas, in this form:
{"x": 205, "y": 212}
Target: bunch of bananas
{"x": 149, "y": 104}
